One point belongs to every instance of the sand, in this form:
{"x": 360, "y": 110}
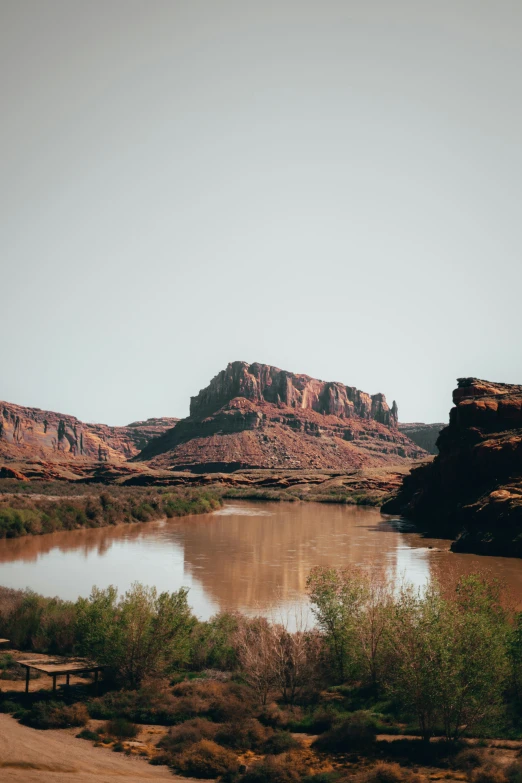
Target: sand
{"x": 57, "y": 756}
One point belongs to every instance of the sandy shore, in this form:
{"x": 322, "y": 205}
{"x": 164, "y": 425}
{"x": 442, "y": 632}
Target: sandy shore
{"x": 31, "y": 756}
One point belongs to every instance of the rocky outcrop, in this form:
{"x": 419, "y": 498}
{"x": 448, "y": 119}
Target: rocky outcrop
{"x": 424, "y": 435}
{"x": 258, "y": 416}
{"x": 472, "y": 491}
{"x": 262, "y": 383}
{"x": 30, "y": 432}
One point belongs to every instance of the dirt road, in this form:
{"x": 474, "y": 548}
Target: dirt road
{"x": 31, "y": 756}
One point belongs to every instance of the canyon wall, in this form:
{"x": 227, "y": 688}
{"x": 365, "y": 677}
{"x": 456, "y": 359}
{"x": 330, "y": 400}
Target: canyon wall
{"x": 472, "y": 491}
{"x": 33, "y": 433}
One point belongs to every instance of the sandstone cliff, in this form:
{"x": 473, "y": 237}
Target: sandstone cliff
{"x": 424, "y": 435}
{"x": 27, "y": 433}
{"x": 258, "y": 416}
{"x": 473, "y": 489}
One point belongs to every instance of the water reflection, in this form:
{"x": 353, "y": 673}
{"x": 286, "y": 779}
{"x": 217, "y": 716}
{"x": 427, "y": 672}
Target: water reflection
{"x": 248, "y": 556}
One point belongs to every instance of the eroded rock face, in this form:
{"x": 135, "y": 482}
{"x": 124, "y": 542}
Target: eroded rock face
{"x": 473, "y": 489}
{"x": 424, "y": 435}
{"x": 31, "y": 432}
{"x": 258, "y": 416}
{"x": 261, "y": 383}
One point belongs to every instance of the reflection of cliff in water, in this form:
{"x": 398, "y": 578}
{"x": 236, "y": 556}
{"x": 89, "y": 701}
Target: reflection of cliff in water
{"x": 86, "y": 540}
{"x": 249, "y": 556}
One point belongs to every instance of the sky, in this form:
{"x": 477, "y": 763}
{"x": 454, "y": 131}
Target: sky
{"x": 331, "y": 187}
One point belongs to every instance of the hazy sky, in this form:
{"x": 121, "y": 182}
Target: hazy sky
{"x": 333, "y": 187}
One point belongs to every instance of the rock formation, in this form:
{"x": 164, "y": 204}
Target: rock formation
{"x": 33, "y": 433}
{"x": 424, "y": 435}
{"x": 258, "y": 416}
{"x": 472, "y": 490}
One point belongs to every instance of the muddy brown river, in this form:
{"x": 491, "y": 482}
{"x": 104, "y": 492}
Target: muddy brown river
{"x": 249, "y": 556}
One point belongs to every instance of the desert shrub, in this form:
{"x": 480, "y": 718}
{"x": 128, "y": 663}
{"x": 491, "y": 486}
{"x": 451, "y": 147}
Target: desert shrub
{"x": 281, "y": 742}
{"x": 150, "y": 704}
{"x": 54, "y": 715}
{"x": 356, "y": 733}
{"x": 386, "y": 773}
{"x": 248, "y": 734}
{"x": 323, "y": 777}
{"x": 274, "y": 715}
{"x": 317, "y": 721}
{"x": 488, "y": 773}
{"x": 121, "y": 728}
{"x": 467, "y": 759}
{"x": 118, "y": 747}
{"x": 514, "y": 772}
{"x": 8, "y": 706}
{"x": 87, "y": 734}
{"x": 206, "y": 759}
{"x": 188, "y": 733}
{"x": 220, "y": 701}
{"x": 275, "y": 769}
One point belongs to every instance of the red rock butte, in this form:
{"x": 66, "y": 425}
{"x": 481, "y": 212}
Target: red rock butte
{"x": 258, "y": 416}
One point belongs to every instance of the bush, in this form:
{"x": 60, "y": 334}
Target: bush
{"x": 356, "y": 733}
{"x": 118, "y": 747}
{"x": 186, "y": 734}
{"x": 206, "y": 759}
{"x": 54, "y": 715}
{"x": 275, "y": 769}
{"x": 514, "y": 772}
{"x": 245, "y": 735}
{"x": 467, "y": 759}
{"x": 87, "y": 734}
{"x": 281, "y": 742}
{"x": 386, "y": 773}
{"x": 487, "y": 774}
{"x": 121, "y": 728}
{"x": 8, "y": 706}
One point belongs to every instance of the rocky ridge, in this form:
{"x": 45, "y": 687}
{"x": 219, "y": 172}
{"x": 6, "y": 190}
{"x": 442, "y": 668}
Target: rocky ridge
{"x": 31, "y": 433}
{"x": 260, "y": 417}
{"x": 472, "y": 490}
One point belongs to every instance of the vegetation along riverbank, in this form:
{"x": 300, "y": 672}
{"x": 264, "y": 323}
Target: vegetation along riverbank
{"x": 248, "y": 700}
{"x": 44, "y": 507}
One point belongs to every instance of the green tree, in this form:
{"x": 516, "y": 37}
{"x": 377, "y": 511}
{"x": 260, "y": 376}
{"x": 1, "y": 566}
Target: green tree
{"x": 337, "y": 597}
{"x": 139, "y": 635}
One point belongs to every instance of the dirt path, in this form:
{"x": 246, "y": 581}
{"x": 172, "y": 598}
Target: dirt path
{"x": 31, "y": 756}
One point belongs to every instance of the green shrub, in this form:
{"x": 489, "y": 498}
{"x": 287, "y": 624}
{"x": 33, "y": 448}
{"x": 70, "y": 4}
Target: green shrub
{"x": 87, "y": 734}
{"x": 121, "y": 728}
{"x": 353, "y": 734}
{"x": 8, "y": 706}
{"x": 281, "y": 742}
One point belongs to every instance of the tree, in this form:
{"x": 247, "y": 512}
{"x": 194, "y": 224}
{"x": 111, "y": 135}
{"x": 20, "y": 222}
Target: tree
{"x": 450, "y": 660}
{"x": 337, "y": 598}
{"x": 136, "y": 636}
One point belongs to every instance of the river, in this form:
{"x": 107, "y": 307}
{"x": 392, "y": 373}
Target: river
{"x": 249, "y": 556}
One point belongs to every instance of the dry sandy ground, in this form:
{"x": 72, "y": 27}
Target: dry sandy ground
{"x": 31, "y": 756}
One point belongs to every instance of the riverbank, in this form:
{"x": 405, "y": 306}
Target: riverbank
{"x": 28, "y": 508}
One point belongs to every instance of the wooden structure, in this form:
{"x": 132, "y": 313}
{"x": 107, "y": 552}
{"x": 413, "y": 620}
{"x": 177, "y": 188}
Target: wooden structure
{"x": 4, "y": 641}
{"x": 55, "y": 668}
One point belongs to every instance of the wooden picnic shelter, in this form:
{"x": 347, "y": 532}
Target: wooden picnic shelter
{"x": 55, "y": 668}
